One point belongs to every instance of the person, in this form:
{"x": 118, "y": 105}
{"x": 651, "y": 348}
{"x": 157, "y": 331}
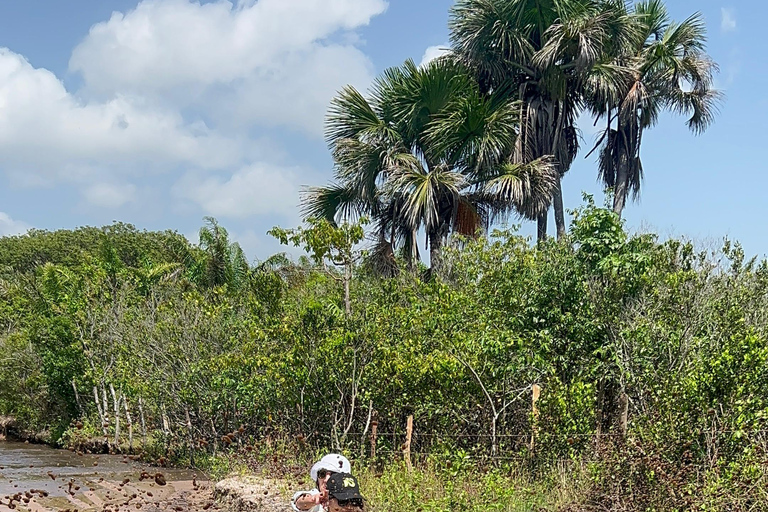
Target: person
{"x": 316, "y": 499}
{"x": 344, "y": 493}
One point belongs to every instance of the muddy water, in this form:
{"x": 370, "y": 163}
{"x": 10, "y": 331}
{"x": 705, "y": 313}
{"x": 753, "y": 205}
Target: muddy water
{"x": 43, "y": 478}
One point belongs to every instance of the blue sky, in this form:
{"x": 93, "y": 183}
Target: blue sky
{"x": 164, "y": 111}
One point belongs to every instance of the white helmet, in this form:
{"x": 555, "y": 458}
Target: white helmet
{"x": 331, "y": 462}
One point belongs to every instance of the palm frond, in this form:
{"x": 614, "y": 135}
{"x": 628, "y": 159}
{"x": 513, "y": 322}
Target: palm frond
{"x": 351, "y": 116}
{"x": 423, "y": 190}
{"x": 493, "y": 37}
{"x": 329, "y": 201}
{"x": 653, "y": 19}
{"x": 525, "y": 189}
{"x": 701, "y": 104}
{"x": 582, "y": 33}
{"x": 476, "y": 132}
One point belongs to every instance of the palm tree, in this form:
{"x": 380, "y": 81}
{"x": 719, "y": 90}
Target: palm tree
{"x": 428, "y": 151}
{"x": 545, "y": 49}
{"x": 667, "y": 69}
{"x": 224, "y": 262}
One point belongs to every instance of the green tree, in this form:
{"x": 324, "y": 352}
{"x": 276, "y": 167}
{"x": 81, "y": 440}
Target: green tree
{"x": 545, "y": 51}
{"x": 428, "y": 151}
{"x": 667, "y": 69}
{"x": 223, "y": 261}
{"x": 328, "y": 243}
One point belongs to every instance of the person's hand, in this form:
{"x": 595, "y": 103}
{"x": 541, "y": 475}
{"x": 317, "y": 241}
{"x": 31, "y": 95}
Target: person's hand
{"x": 307, "y": 501}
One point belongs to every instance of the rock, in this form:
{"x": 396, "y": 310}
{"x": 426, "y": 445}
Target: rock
{"x": 251, "y": 494}
{"x": 6, "y": 422}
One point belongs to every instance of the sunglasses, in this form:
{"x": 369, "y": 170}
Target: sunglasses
{"x": 322, "y": 473}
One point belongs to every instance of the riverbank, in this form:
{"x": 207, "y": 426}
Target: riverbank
{"x": 38, "y": 478}
{"x": 104, "y": 495}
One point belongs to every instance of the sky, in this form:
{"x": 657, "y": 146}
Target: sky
{"x": 161, "y": 112}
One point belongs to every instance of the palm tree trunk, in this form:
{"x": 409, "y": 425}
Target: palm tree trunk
{"x": 412, "y": 252}
{"x": 541, "y": 227}
{"x": 435, "y": 246}
{"x": 557, "y": 203}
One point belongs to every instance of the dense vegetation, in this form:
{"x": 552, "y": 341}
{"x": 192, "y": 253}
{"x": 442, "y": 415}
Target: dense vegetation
{"x": 602, "y": 370}
{"x": 115, "y": 326}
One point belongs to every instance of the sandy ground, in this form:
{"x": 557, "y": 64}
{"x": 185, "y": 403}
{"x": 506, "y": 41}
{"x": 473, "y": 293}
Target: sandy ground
{"x": 96, "y": 494}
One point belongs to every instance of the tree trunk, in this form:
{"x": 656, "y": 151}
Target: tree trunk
{"x": 557, "y": 203}
{"x": 143, "y": 424}
{"x": 494, "y": 444}
{"x": 599, "y": 412}
{"x": 80, "y": 409}
{"x": 116, "y": 402}
{"x": 104, "y": 398}
{"x": 347, "y": 279}
{"x": 102, "y": 413}
{"x": 541, "y": 227}
{"x": 166, "y": 426}
{"x": 129, "y": 423}
{"x": 435, "y": 246}
{"x": 190, "y": 437}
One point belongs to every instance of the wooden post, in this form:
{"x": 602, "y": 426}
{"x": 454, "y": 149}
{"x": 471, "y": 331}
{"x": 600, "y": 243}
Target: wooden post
{"x": 190, "y": 437}
{"x": 624, "y": 407}
{"x": 535, "y": 394}
{"x": 407, "y": 446}
{"x": 374, "y": 433}
{"x": 143, "y": 425}
{"x": 166, "y": 425}
{"x": 599, "y": 411}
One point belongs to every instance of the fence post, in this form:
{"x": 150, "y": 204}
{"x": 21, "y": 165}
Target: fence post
{"x": 535, "y": 394}
{"x": 374, "y": 433}
{"x": 624, "y": 405}
{"x": 599, "y": 411}
{"x": 407, "y": 446}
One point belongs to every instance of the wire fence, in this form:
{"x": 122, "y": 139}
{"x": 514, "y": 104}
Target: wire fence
{"x": 539, "y": 445}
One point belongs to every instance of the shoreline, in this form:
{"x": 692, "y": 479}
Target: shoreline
{"x": 38, "y": 478}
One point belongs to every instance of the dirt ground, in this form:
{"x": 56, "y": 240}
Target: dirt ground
{"x": 98, "y": 495}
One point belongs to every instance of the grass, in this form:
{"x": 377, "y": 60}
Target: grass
{"x": 433, "y": 485}
{"x": 430, "y": 488}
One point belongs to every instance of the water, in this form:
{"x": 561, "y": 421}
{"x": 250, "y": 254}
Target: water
{"x": 24, "y": 467}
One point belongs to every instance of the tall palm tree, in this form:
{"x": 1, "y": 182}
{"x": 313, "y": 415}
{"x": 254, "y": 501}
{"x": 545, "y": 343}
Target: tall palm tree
{"x": 667, "y": 69}
{"x": 428, "y": 151}
{"x": 545, "y": 49}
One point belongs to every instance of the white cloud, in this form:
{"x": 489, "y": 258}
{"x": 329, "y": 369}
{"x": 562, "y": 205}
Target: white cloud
{"x": 727, "y": 20}
{"x": 179, "y": 87}
{"x": 295, "y": 94}
{"x": 9, "y": 226}
{"x": 434, "y": 52}
{"x": 273, "y": 54}
{"x": 46, "y": 132}
{"x": 259, "y": 189}
{"x": 110, "y": 195}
